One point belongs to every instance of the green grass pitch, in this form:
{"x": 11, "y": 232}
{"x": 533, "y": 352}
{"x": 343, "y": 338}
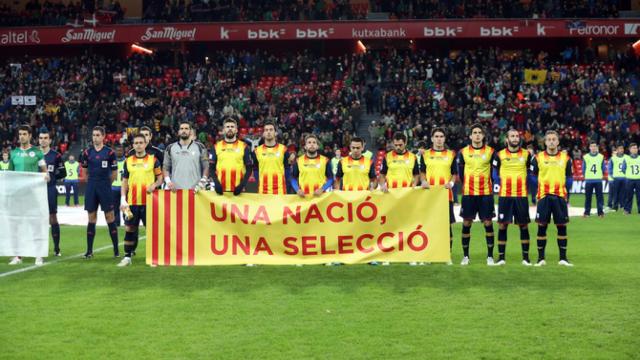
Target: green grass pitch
{"x": 72, "y": 308}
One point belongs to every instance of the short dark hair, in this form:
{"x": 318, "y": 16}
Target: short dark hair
{"x": 138, "y": 136}
{"x": 632, "y": 145}
{"x": 24, "y": 127}
{"x": 100, "y": 129}
{"x": 438, "y": 129}
{"x": 146, "y": 128}
{"x": 476, "y": 126}
{"x": 400, "y": 136}
{"x": 45, "y": 132}
{"x": 593, "y": 142}
{"x": 184, "y": 122}
{"x": 551, "y": 132}
{"x": 358, "y": 140}
{"x": 229, "y": 120}
{"x": 421, "y": 144}
{"x": 269, "y": 123}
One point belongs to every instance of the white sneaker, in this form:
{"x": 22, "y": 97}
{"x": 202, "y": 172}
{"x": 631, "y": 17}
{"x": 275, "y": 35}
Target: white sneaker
{"x": 385, "y": 263}
{"x": 39, "y": 261}
{"x": 249, "y": 265}
{"x": 299, "y": 265}
{"x": 500, "y": 263}
{"x": 465, "y": 261}
{"x": 126, "y": 261}
{"x": 565, "y": 263}
{"x": 16, "y": 260}
{"x": 413, "y": 263}
{"x": 328, "y": 264}
{"x": 526, "y": 263}
{"x": 490, "y": 261}
{"x": 541, "y": 263}
{"x": 449, "y": 262}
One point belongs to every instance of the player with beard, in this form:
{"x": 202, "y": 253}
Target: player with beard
{"x": 230, "y": 160}
{"x": 270, "y": 160}
{"x": 511, "y": 164}
{"x": 311, "y": 173}
{"x": 186, "y": 162}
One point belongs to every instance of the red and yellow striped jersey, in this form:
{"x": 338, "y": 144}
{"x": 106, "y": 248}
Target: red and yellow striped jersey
{"x": 355, "y": 174}
{"x": 271, "y": 163}
{"x": 230, "y": 163}
{"x": 440, "y": 166}
{"x": 512, "y": 169}
{"x": 140, "y": 173}
{"x": 475, "y": 170}
{"x": 399, "y": 169}
{"x": 552, "y": 171}
{"x": 311, "y": 172}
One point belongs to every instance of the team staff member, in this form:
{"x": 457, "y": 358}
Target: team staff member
{"x": 270, "y": 161}
{"x": 100, "y": 162}
{"x": 355, "y": 172}
{"x": 617, "y": 167}
{"x": 474, "y": 167}
{"x": 72, "y": 168}
{"x": 56, "y": 171}
{"x": 311, "y": 173}
{"x": 593, "y": 170}
{"x": 141, "y": 175}
{"x": 27, "y": 158}
{"x": 4, "y": 163}
{"x": 553, "y": 168}
{"x": 512, "y": 164}
{"x": 230, "y": 160}
{"x": 186, "y": 161}
{"x": 399, "y": 167}
{"x": 117, "y": 183}
{"x": 439, "y": 168}
{"x": 632, "y": 175}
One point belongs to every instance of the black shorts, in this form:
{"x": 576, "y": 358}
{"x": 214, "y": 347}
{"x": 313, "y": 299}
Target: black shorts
{"x": 52, "y": 196}
{"x": 452, "y": 216}
{"x": 552, "y": 205}
{"x": 98, "y": 194}
{"x": 513, "y": 210}
{"x": 481, "y": 205}
{"x": 139, "y": 213}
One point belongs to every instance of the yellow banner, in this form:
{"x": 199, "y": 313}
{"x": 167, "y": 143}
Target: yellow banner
{"x": 535, "y": 77}
{"x": 404, "y": 225}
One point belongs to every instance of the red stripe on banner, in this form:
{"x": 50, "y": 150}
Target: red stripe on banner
{"x": 265, "y": 185}
{"x": 134, "y": 194}
{"x": 179, "y": 228}
{"x": 520, "y": 187}
{"x": 481, "y": 185}
{"x": 154, "y": 227}
{"x": 508, "y": 185}
{"x": 167, "y": 227}
{"x": 191, "y": 204}
{"x": 275, "y": 184}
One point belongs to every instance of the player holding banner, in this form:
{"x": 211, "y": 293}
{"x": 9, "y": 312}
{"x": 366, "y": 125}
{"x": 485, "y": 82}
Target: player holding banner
{"x": 27, "y": 158}
{"x": 439, "y": 166}
{"x": 355, "y": 172}
{"x": 553, "y": 168}
{"x": 474, "y": 167}
{"x": 399, "y": 167}
{"x": 270, "y": 161}
{"x": 56, "y": 171}
{"x": 311, "y": 174}
{"x": 511, "y": 165}
{"x": 230, "y": 161}
{"x": 141, "y": 175}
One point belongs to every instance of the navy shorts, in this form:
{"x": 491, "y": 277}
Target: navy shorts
{"x": 52, "y": 196}
{"x": 98, "y": 194}
{"x": 513, "y": 210}
{"x": 481, "y": 205}
{"x": 552, "y": 205}
{"x": 452, "y": 216}
{"x": 139, "y": 213}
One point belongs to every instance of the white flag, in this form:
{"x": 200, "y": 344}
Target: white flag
{"x": 30, "y": 100}
{"x": 24, "y": 214}
{"x": 17, "y": 100}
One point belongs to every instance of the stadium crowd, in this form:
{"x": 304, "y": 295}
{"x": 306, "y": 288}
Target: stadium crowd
{"x": 37, "y": 12}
